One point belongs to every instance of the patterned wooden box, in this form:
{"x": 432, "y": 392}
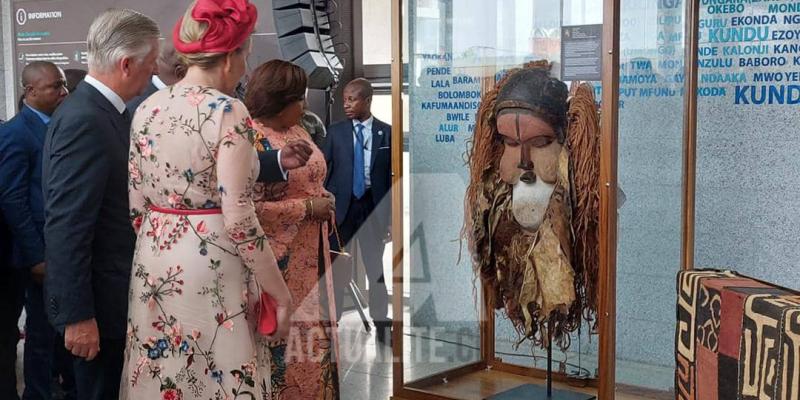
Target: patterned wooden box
{"x": 736, "y": 338}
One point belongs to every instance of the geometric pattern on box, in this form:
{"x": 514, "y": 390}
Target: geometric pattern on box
{"x": 736, "y": 338}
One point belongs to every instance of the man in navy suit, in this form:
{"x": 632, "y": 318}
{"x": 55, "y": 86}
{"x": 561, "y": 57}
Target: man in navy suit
{"x": 90, "y": 240}
{"x": 358, "y": 154}
{"x": 21, "y": 141}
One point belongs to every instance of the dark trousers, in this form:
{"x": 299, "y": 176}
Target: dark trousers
{"x": 99, "y": 379}
{"x": 42, "y": 349}
{"x": 358, "y": 226}
{"x": 12, "y": 298}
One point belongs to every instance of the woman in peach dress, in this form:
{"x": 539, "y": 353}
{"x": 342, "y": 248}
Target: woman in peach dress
{"x": 294, "y": 216}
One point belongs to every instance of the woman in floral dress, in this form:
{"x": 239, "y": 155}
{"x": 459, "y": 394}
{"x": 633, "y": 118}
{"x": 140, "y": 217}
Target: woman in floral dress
{"x": 201, "y": 257}
{"x": 294, "y": 217}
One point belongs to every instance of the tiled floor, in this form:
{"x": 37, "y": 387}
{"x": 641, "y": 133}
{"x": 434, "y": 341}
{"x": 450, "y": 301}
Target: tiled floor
{"x": 366, "y": 366}
{"x": 366, "y": 371}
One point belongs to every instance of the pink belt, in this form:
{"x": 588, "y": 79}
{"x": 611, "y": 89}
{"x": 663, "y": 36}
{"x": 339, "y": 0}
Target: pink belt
{"x": 176, "y": 211}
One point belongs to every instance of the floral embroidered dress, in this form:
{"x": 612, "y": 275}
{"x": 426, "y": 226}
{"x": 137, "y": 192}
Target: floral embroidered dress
{"x": 304, "y": 365}
{"x": 199, "y": 251}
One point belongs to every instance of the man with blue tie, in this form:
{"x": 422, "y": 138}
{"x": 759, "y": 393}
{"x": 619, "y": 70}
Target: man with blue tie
{"x": 21, "y": 143}
{"x": 358, "y": 154}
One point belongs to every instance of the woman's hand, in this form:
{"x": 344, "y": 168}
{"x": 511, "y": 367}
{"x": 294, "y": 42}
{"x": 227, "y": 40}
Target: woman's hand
{"x": 320, "y": 208}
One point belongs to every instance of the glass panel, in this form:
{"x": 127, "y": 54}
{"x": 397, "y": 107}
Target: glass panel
{"x": 458, "y": 49}
{"x": 650, "y": 165}
{"x": 748, "y": 173}
{"x": 442, "y": 325}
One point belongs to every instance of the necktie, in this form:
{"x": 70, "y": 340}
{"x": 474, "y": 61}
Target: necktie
{"x": 359, "y": 180}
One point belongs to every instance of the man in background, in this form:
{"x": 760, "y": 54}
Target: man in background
{"x": 74, "y": 77}
{"x": 170, "y": 71}
{"x": 358, "y": 153}
{"x": 21, "y": 141}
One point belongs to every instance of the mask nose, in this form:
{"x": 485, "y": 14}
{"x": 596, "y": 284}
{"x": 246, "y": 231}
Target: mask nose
{"x": 525, "y": 163}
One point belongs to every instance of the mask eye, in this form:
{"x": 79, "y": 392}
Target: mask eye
{"x": 508, "y": 141}
{"x": 541, "y": 141}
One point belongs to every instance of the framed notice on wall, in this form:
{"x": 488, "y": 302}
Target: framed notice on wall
{"x": 581, "y": 48}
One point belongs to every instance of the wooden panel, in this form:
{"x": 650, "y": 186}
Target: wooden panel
{"x": 397, "y": 195}
{"x": 689, "y": 133}
{"x": 487, "y": 313}
{"x": 608, "y": 199}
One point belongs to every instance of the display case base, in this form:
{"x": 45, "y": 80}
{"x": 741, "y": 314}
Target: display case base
{"x": 482, "y": 385}
{"x": 529, "y": 392}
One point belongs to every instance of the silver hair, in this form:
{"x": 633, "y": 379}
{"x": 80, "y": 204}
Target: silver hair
{"x": 116, "y": 34}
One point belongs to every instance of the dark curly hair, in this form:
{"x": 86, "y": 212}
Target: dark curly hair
{"x": 273, "y": 86}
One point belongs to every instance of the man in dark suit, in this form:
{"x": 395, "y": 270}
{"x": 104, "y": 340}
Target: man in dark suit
{"x": 88, "y": 235}
{"x": 359, "y": 176}
{"x": 21, "y": 141}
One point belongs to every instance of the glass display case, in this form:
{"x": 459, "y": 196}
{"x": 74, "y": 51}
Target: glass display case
{"x": 696, "y": 110}
{"x": 449, "y": 344}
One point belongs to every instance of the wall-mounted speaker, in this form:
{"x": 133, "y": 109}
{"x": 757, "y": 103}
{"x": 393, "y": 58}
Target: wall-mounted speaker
{"x": 296, "y": 20}
{"x": 283, "y": 4}
{"x": 304, "y": 36}
{"x": 294, "y": 46}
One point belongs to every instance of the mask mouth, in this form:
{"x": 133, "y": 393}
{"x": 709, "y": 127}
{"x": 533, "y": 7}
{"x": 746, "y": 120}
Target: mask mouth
{"x": 528, "y": 177}
{"x": 530, "y": 201}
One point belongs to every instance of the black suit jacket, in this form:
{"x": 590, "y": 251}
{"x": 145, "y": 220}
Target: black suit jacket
{"x": 270, "y": 167}
{"x": 338, "y": 149}
{"x": 88, "y": 236}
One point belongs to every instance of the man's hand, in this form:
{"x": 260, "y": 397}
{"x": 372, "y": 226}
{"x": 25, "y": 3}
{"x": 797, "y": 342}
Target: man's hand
{"x": 37, "y": 273}
{"x": 82, "y": 339}
{"x": 295, "y": 155}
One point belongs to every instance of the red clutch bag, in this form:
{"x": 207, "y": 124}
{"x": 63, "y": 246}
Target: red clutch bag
{"x": 268, "y": 317}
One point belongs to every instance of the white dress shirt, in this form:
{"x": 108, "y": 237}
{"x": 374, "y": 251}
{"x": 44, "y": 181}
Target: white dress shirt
{"x": 107, "y": 93}
{"x": 158, "y": 83}
{"x": 367, "y": 146}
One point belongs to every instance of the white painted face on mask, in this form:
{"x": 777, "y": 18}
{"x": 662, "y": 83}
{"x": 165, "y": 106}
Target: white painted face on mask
{"x": 529, "y": 202}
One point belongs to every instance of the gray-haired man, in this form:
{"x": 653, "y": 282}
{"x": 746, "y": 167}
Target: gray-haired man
{"x": 89, "y": 238}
